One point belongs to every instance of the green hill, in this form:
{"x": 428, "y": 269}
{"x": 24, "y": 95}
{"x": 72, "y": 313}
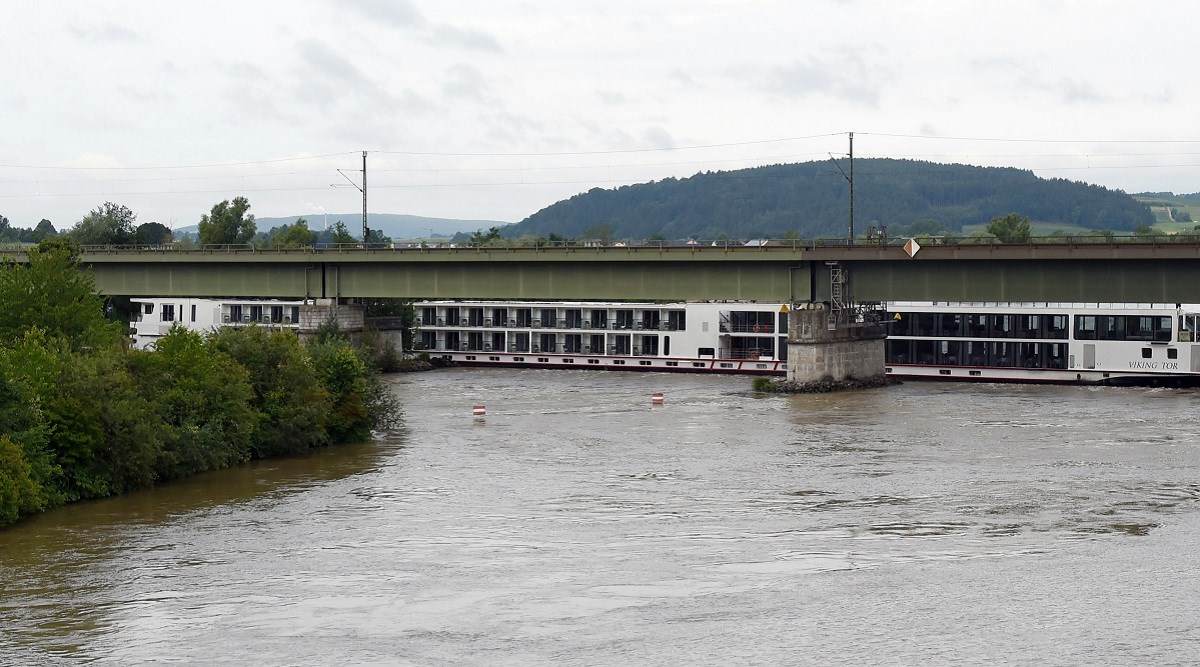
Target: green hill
{"x": 810, "y": 199}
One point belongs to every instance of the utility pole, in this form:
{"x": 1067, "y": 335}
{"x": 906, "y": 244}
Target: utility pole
{"x": 850, "y": 240}
{"x": 363, "y": 189}
{"x": 367, "y": 230}
{"x": 850, "y": 179}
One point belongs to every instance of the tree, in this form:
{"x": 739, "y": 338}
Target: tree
{"x": 44, "y": 230}
{"x": 288, "y": 397}
{"x": 52, "y": 293}
{"x": 346, "y": 378}
{"x": 153, "y": 233}
{"x": 227, "y": 223}
{"x": 107, "y": 224}
{"x": 486, "y": 238}
{"x": 337, "y": 234}
{"x": 1011, "y": 228}
{"x": 19, "y": 493}
{"x": 203, "y": 397}
{"x": 294, "y": 236}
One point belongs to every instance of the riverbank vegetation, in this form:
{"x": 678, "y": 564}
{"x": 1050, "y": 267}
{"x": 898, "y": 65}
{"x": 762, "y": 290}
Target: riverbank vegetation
{"x": 83, "y": 416}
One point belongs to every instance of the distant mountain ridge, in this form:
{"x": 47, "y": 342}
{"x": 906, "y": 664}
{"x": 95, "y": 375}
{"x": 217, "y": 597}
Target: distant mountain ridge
{"x": 810, "y": 199}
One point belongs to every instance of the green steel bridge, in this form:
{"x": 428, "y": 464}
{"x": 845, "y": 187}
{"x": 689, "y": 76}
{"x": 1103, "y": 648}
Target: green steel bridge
{"x": 1158, "y": 271}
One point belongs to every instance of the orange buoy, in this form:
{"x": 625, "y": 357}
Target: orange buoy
{"x": 656, "y": 398}
{"x": 479, "y": 410}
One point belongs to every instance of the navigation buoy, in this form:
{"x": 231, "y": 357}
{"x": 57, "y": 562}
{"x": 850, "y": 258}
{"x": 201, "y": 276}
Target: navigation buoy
{"x": 479, "y": 410}
{"x": 656, "y": 398}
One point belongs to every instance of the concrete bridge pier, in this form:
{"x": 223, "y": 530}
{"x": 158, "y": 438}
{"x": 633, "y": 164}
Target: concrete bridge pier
{"x": 350, "y": 318}
{"x": 836, "y": 345}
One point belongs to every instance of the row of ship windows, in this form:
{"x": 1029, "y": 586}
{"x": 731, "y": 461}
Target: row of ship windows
{"x": 547, "y": 318}
{"x": 1045, "y": 327}
{"x": 618, "y": 362}
{"x": 987, "y": 353}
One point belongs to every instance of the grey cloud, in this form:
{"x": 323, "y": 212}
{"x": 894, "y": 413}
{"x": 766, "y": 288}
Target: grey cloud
{"x": 246, "y": 70}
{"x": 657, "y": 137}
{"x": 464, "y": 81}
{"x": 1070, "y": 91}
{"x": 611, "y": 97}
{"x": 842, "y": 75}
{"x": 471, "y": 39}
{"x": 927, "y": 130}
{"x": 685, "y": 79}
{"x": 398, "y": 13}
{"x": 1076, "y": 92}
{"x": 330, "y": 63}
{"x": 107, "y": 33}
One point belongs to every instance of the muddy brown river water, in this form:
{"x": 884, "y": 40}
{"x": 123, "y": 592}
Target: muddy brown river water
{"x": 577, "y": 524}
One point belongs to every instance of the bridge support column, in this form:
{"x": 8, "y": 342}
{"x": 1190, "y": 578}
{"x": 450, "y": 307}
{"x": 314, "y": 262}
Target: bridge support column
{"x": 349, "y": 317}
{"x": 827, "y": 345}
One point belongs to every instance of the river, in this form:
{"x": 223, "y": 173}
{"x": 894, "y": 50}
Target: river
{"x": 578, "y": 524}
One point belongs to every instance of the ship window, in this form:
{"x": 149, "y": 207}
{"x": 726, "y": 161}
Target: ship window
{"x": 168, "y": 312}
{"x": 1002, "y": 354}
{"x": 1056, "y": 355}
{"x": 900, "y": 324}
{"x": 706, "y": 352}
{"x": 951, "y": 324}
{"x": 193, "y": 312}
{"x": 697, "y": 364}
{"x": 518, "y": 358}
{"x": 1110, "y": 327}
{"x": 1030, "y": 355}
{"x": 1140, "y": 327}
{"x": 543, "y": 360}
{"x": 949, "y": 352}
{"x": 975, "y": 353}
{"x": 619, "y": 362}
{"x": 944, "y": 371}
{"x": 925, "y": 324}
{"x": 676, "y": 320}
{"x": 1145, "y": 353}
{"x": 470, "y": 357}
{"x": 644, "y": 362}
{"x": 593, "y": 361}
{"x": 725, "y": 365}
{"x": 1172, "y": 353}
{"x": 493, "y": 358}
{"x": 1029, "y": 326}
{"x": 1003, "y": 326}
{"x": 676, "y": 363}
{"x": 1056, "y": 326}
{"x": 1085, "y": 327}
{"x": 975, "y": 372}
{"x": 924, "y": 351}
{"x": 977, "y": 326}
{"x": 1162, "y": 329}
{"x": 899, "y": 351}
{"x": 568, "y": 360}
{"x": 149, "y": 309}
{"x": 666, "y": 345}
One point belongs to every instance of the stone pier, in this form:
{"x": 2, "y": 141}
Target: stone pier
{"x": 350, "y": 318}
{"x": 824, "y": 348}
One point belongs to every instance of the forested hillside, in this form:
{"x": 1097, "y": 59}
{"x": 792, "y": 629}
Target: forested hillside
{"x": 810, "y": 199}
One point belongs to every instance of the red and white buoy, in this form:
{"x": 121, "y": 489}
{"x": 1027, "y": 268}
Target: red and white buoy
{"x": 656, "y": 398}
{"x": 479, "y": 410}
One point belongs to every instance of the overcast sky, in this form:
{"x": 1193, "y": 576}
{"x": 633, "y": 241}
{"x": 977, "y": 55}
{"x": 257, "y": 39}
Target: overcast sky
{"x": 491, "y": 109}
